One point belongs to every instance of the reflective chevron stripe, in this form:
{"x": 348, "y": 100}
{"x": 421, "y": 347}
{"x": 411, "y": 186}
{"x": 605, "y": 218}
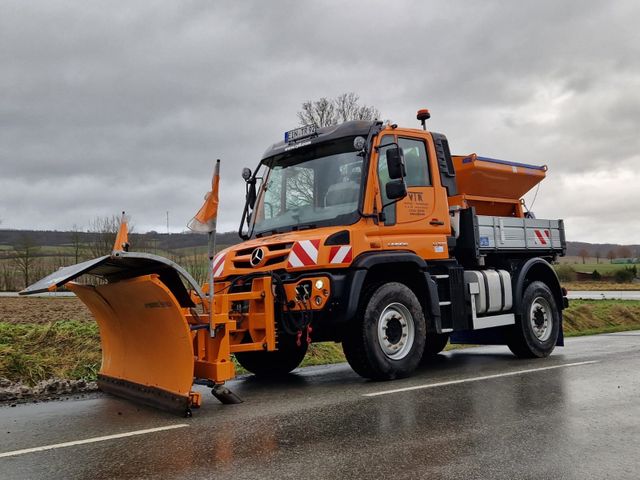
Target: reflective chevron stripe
{"x": 218, "y": 264}
{"x": 341, "y": 254}
{"x": 304, "y": 253}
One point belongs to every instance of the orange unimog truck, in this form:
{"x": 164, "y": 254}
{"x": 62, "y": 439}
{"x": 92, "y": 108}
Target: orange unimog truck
{"x": 362, "y": 233}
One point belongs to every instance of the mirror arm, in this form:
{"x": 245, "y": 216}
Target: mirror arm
{"x": 381, "y": 215}
{"x": 396, "y": 200}
{"x": 242, "y": 235}
{"x": 386, "y": 145}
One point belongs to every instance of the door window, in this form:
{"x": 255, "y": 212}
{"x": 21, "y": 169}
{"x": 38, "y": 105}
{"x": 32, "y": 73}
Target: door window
{"x": 415, "y": 159}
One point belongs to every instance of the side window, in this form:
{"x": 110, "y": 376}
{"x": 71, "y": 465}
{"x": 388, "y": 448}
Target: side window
{"x": 415, "y": 159}
{"x": 383, "y": 178}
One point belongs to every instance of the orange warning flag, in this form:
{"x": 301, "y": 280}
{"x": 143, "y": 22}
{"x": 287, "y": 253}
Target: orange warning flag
{"x": 205, "y": 219}
{"x": 122, "y": 238}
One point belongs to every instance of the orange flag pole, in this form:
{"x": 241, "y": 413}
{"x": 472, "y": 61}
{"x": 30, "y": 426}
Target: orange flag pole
{"x": 206, "y": 221}
{"x": 121, "y": 243}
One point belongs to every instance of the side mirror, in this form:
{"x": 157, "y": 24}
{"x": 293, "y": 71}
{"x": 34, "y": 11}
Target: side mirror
{"x": 251, "y": 187}
{"x": 396, "y": 189}
{"x": 395, "y": 163}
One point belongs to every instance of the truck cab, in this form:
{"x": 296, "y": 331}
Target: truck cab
{"x": 368, "y": 210}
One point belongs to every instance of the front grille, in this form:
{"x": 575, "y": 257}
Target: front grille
{"x": 275, "y": 254}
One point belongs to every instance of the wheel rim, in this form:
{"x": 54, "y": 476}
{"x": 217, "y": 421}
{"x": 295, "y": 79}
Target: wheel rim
{"x": 540, "y": 318}
{"x": 396, "y": 331}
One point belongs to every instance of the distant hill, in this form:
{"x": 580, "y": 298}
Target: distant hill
{"x": 574, "y": 248}
{"x": 161, "y": 241}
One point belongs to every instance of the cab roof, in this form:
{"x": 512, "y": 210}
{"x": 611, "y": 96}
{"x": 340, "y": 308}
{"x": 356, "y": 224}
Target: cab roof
{"x": 347, "y": 129}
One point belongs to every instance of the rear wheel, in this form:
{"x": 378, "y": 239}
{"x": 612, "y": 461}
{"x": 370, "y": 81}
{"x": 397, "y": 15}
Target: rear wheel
{"x": 536, "y": 332}
{"x": 276, "y": 363}
{"x": 387, "y": 339}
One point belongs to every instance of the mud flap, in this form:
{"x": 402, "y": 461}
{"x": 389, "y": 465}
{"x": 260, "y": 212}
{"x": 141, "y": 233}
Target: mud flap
{"x": 147, "y": 351}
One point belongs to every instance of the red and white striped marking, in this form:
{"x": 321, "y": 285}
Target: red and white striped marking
{"x": 341, "y": 254}
{"x": 218, "y": 264}
{"x": 304, "y": 253}
{"x": 543, "y": 237}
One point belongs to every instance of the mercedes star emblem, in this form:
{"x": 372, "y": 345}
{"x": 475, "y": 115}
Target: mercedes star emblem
{"x": 256, "y": 257}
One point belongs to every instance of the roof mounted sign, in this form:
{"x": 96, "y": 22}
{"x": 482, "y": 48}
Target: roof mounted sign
{"x": 299, "y": 133}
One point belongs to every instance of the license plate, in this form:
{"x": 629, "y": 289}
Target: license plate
{"x": 299, "y": 133}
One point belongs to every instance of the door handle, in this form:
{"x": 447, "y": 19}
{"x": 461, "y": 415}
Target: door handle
{"x": 435, "y": 221}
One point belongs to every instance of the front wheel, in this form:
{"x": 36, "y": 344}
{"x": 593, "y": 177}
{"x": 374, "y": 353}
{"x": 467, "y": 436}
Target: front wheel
{"x": 536, "y": 332}
{"x": 434, "y": 344}
{"x": 276, "y": 363}
{"x": 387, "y": 339}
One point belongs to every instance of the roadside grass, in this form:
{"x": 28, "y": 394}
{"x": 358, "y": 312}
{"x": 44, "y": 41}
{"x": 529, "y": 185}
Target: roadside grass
{"x": 600, "y": 286}
{"x": 70, "y": 348}
{"x": 604, "y": 268}
{"x": 65, "y": 349}
{"x": 588, "y": 317}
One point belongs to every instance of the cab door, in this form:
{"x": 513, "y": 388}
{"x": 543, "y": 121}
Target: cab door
{"x": 420, "y": 221}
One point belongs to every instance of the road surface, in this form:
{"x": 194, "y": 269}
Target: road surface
{"x": 474, "y": 413}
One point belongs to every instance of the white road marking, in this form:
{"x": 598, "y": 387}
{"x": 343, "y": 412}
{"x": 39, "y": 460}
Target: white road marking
{"x": 91, "y": 440}
{"x": 476, "y": 379}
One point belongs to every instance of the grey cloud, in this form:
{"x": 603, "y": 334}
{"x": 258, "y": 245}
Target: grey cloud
{"x": 127, "y": 104}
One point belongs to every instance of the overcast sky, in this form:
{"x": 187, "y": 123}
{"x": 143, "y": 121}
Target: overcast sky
{"x": 110, "y": 106}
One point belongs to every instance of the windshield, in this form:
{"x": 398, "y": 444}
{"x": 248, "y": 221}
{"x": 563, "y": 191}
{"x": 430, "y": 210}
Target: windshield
{"x": 317, "y": 185}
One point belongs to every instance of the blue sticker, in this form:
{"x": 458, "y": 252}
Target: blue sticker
{"x": 484, "y": 241}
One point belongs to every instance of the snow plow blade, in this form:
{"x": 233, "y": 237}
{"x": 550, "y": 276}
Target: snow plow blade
{"x": 147, "y": 352}
{"x": 144, "y": 312}
{"x": 158, "y": 336}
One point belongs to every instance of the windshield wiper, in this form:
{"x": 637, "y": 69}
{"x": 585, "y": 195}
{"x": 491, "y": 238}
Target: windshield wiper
{"x": 268, "y": 232}
{"x": 306, "y": 226}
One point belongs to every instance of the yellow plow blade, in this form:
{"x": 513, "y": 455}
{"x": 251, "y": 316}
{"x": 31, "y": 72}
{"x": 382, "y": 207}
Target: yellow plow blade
{"x": 155, "y": 344}
{"x": 147, "y": 347}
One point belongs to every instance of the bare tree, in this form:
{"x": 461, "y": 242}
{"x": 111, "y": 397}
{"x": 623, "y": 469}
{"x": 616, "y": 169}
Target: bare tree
{"x": 299, "y": 187}
{"x": 331, "y": 111}
{"x": 25, "y": 258}
{"x": 7, "y": 276}
{"x": 103, "y": 232}
{"x": 584, "y": 253}
{"x": 624, "y": 252}
{"x": 598, "y": 255}
{"x": 76, "y": 243}
{"x": 611, "y": 255}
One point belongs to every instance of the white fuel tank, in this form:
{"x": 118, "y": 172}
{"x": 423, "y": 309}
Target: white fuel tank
{"x": 491, "y": 290}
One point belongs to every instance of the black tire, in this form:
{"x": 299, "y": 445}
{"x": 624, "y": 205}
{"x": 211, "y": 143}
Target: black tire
{"x": 536, "y": 332}
{"x": 434, "y": 344}
{"x": 274, "y": 364}
{"x": 393, "y": 310}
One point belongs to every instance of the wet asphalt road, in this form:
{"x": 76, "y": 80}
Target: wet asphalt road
{"x": 577, "y": 421}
